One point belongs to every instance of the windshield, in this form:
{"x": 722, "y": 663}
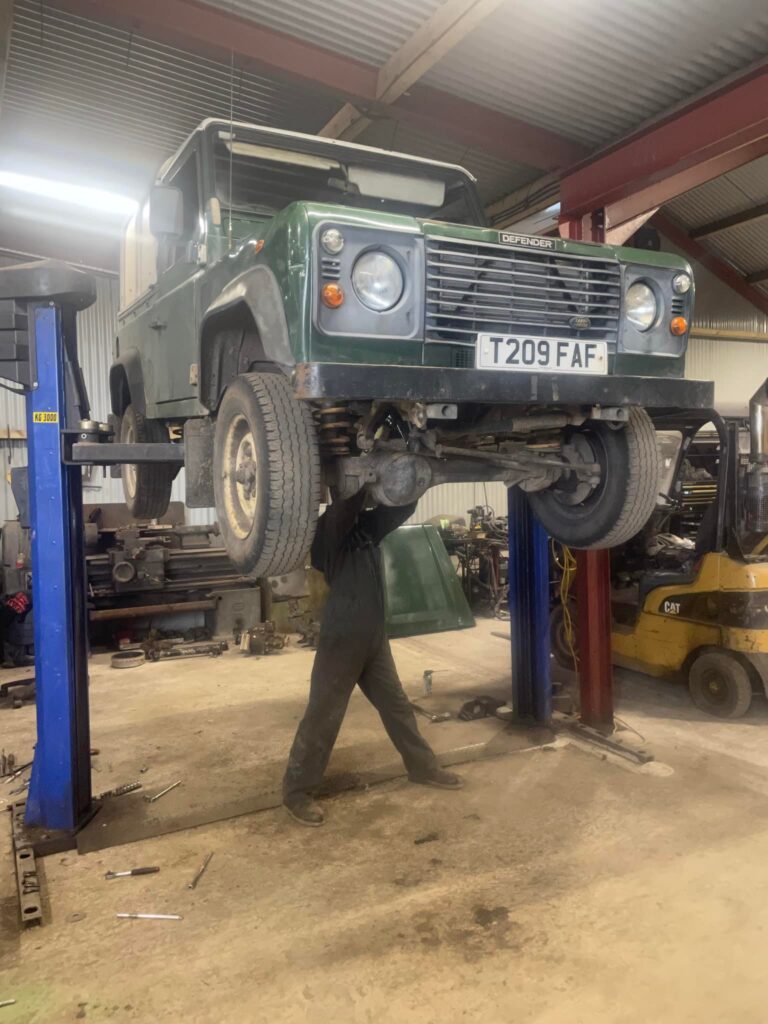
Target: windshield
{"x": 258, "y": 181}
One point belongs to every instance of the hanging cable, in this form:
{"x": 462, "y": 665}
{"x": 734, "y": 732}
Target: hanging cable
{"x": 565, "y": 560}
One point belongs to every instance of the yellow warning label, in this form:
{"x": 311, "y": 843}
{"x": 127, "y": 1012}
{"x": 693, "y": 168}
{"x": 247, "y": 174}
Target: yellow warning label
{"x": 45, "y": 417}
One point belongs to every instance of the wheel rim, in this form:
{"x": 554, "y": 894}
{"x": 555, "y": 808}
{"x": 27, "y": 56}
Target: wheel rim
{"x": 591, "y": 448}
{"x": 129, "y": 470}
{"x": 240, "y": 477}
{"x": 715, "y": 688}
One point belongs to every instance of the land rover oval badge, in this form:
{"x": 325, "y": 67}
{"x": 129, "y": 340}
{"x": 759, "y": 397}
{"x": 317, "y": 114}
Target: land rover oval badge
{"x": 580, "y": 323}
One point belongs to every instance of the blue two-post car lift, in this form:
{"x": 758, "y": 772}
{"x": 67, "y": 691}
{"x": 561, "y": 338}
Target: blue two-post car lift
{"x": 38, "y": 351}
{"x": 39, "y": 303}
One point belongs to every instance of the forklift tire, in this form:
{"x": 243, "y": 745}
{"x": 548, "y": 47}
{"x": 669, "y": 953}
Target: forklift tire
{"x": 720, "y": 685}
{"x": 266, "y": 475}
{"x": 623, "y": 501}
{"x": 146, "y": 488}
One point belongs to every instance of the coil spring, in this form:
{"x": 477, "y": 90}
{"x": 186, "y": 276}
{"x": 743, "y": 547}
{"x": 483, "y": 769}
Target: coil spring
{"x": 335, "y": 426}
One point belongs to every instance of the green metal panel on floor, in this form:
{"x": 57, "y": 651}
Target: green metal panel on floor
{"x": 423, "y": 592}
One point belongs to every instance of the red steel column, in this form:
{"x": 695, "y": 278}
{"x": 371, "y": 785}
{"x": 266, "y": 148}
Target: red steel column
{"x": 593, "y": 624}
{"x": 593, "y": 576}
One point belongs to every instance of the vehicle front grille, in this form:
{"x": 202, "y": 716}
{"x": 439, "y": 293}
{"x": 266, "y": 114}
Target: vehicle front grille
{"x": 475, "y": 288}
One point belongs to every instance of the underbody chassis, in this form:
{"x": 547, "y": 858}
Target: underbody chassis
{"x": 429, "y": 426}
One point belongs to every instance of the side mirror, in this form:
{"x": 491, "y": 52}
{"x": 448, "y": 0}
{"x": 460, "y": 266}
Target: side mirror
{"x": 166, "y": 212}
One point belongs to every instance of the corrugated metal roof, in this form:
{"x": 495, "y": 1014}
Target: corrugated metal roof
{"x": 72, "y": 73}
{"x": 590, "y": 71}
{"x": 366, "y": 30}
{"x": 731, "y": 193}
{"x": 593, "y": 71}
{"x": 744, "y": 247}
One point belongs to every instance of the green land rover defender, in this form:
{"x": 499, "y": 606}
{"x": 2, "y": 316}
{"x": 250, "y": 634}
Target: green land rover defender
{"x": 300, "y": 312}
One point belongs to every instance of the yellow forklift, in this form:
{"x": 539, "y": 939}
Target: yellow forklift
{"x": 693, "y": 604}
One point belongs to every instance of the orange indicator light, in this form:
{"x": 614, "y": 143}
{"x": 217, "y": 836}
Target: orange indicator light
{"x": 332, "y": 295}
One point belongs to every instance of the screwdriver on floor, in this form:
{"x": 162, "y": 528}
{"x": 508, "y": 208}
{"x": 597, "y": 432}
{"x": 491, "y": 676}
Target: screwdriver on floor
{"x": 133, "y": 871}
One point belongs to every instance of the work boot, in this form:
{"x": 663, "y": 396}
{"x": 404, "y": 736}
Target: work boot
{"x": 302, "y": 808}
{"x": 438, "y": 777}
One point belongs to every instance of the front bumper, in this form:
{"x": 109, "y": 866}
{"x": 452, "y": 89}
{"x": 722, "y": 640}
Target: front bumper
{"x": 358, "y": 382}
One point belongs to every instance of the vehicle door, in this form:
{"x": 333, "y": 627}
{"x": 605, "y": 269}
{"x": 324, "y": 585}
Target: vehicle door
{"x": 173, "y": 319}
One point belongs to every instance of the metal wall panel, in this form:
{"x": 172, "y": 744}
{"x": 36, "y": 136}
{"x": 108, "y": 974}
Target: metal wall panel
{"x": 457, "y": 499}
{"x": 737, "y": 368}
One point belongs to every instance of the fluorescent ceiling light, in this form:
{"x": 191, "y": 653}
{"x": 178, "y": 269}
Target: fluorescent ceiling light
{"x": 77, "y": 195}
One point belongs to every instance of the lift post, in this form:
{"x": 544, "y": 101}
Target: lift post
{"x": 38, "y": 350}
{"x": 39, "y": 303}
{"x": 593, "y": 573}
{"x": 528, "y": 576}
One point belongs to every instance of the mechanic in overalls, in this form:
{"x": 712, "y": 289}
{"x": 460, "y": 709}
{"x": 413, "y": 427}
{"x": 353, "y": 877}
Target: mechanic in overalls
{"x": 353, "y": 649}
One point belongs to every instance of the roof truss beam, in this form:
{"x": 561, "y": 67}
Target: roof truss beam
{"x": 734, "y": 221}
{"x": 757, "y": 277}
{"x": 707, "y": 138}
{"x": 429, "y": 44}
{"x": 199, "y": 28}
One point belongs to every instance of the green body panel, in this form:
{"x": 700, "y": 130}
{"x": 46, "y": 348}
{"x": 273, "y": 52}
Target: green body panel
{"x": 184, "y": 294}
{"x": 422, "y": 591}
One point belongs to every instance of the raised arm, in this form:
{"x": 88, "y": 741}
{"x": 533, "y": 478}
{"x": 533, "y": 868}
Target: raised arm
{"x": 332, "y": 528}
{"x": 381, "y": 521}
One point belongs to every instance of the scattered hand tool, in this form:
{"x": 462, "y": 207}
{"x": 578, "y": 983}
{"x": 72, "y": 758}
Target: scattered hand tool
{"x": 158, "y": 652}
{"x": 200, "y": 872}
{"x": 18, "y": 772}
{"x": 129, "y": 787}
{"x": 433, "y": 716}
{"x": 133, "y": 871}
{"x": 151, "y": 799}
{"x": 151, "y": 917}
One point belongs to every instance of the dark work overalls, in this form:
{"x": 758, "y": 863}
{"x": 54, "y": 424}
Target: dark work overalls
{"x": 353, "y": 646}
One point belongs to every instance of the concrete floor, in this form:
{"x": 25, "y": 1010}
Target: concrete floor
{"x": 556, "y": 887}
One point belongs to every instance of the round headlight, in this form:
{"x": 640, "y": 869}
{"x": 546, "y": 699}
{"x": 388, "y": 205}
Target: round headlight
{"x": 681, "y": 283}
{"x": 378, "y": 281}
{"x": 332, "y": 241}
{"x": 640, "y": 306}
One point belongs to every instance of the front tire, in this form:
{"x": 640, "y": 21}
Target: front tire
{"x": 720, "y": 685}
{"x": 623, "y": 501}
{"x": 146, "y": 488}
{"x": 266, "y": 475}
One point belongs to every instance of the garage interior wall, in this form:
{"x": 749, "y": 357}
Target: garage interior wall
{"x": 736, "y": 367}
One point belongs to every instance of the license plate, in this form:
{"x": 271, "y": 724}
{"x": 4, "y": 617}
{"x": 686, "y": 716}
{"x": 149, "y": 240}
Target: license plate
{"x": 551, "y": 355}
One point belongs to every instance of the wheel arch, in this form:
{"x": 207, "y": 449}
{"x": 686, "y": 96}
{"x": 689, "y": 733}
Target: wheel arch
{"x": 243, "y": 329}
{"x": 126, "y": 383}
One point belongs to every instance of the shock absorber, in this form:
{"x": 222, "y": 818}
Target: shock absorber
{"x": 335, "y": 427}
